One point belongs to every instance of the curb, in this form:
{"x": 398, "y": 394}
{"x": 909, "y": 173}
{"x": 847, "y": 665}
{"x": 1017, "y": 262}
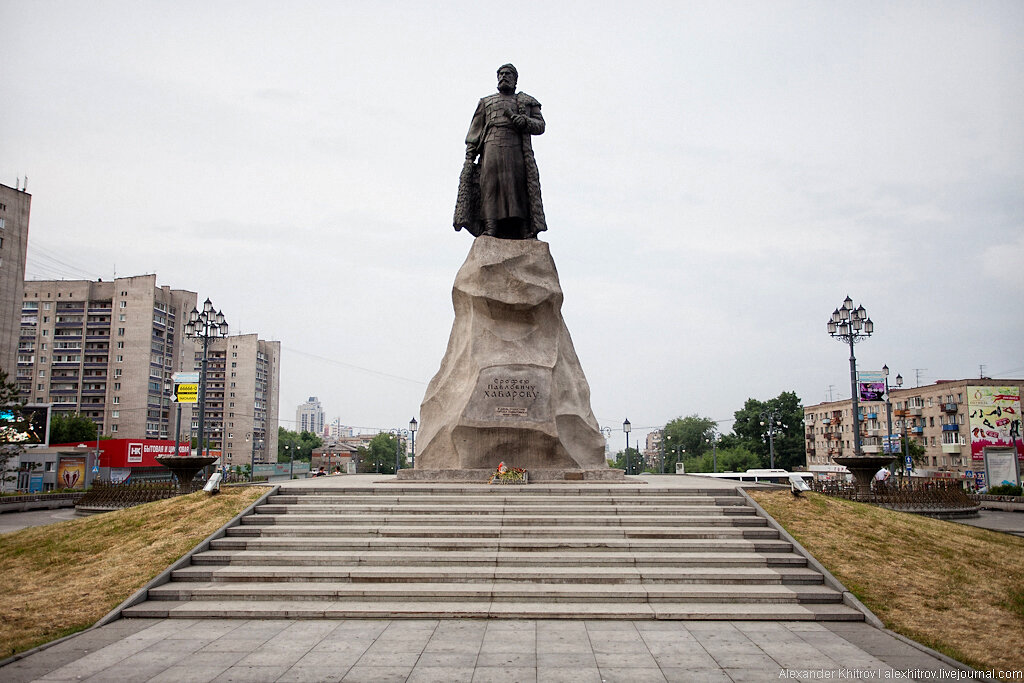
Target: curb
{"x": 851, "y": 600}
{"x": 141, "y": 594}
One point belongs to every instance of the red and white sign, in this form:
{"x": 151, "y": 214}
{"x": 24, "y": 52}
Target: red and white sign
{"x": 134, "y": 452}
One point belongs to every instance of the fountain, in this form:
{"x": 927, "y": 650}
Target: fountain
{"x": 863, "y": 469}
{"x": 185, "y": 467}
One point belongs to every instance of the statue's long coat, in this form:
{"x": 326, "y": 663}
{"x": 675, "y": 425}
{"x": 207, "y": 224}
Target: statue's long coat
{"x": 467, "y": 206}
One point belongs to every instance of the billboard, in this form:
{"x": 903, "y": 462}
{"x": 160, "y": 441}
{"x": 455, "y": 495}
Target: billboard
{"x": 871, "y": 385}
{"x": 28, "y": 425}
{"x": 71, "y": 472}
{"x": 994, "y": 420}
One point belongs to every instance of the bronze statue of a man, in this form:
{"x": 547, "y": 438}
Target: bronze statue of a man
{"x": 500, "y": 196}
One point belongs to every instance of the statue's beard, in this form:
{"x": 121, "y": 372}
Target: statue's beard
{"x": 506, "y": 86}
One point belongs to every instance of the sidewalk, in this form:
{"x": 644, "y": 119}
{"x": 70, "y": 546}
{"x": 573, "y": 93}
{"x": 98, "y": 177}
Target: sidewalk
{"x": 447, "y": 651}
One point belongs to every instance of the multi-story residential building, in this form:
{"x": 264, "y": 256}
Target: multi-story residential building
{"x": 14, "y": 211}
{"x": 309, "y": 417}
{"x": 652, "y": 450}
{"x": 106, "y": 350}
{"x": 947, "y": 418}
{"x": 242, "y": 388}
{"x": 336, "y": 430}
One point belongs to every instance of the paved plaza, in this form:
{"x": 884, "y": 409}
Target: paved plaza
{"x": 447, "y": 651}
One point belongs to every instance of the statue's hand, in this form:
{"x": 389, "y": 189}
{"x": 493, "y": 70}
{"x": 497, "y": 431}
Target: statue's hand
{"x": 519, "y": 121}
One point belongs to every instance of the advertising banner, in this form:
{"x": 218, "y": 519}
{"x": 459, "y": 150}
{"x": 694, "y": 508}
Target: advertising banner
{"x": 28, "y": 425}
{"x": 871, "y": 385}
{"x": 134, "y": 452}
{"x": 71, "y": 472}
{"x": 994, "y": 420}
{"x": 1001, "y": 468}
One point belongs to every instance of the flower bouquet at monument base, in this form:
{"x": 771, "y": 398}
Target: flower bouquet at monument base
{"x": 508, "y": 475}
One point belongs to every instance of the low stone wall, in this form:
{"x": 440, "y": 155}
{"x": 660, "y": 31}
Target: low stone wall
{"x": 47, "y": 501}
{"x": 1009, "y": 503}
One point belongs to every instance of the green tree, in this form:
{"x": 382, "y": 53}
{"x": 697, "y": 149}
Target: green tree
{"x": 11, "y": 424}
{"x": 686, "y": 439}
{"x": 917, "y": 456}
{"x": 789, "y": 438}
{"x": 730, "y": 459}
{"x": 379, "y": 454}
{"x": 73, "y": 428}
{"x": 635, "y": 460}
{"x": 299, "y": 444}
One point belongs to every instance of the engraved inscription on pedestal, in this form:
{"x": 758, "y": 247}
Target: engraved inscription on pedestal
{"x": 511, "y": 393}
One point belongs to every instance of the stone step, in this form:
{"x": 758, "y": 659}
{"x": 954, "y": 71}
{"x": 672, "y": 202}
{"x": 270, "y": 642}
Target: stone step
{"x": 497, "y": 591}
{"x": 336, "y": 498}
{"x": 620, "y": 543}
{"x": 483, "y": 609}
{"x": 581, "y": 575}
{"x": 307, "y": 558}
{"x": 527, "y": 524}
{"x": 509, "y": 509}
{"x": 538, "y": 531}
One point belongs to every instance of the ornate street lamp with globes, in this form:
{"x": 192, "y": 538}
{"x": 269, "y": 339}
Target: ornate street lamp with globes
{"x": 206, "y": 325}
{"x": 851, "y": 325}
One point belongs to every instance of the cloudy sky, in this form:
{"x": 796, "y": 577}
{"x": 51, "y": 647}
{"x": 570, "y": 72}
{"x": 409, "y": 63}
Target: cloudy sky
{"x": 717, "y": 177}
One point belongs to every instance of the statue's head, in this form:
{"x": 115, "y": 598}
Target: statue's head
{"x": 507, "y": 78}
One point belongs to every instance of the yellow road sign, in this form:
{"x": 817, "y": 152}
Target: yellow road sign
{"x": 187, "y": 393}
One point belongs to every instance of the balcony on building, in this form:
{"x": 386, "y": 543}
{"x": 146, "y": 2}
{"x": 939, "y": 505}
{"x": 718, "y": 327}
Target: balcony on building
{"x": 951, "y": 448}
{"x": 949, "y": 407}
{"x": 917, "y": 430}
{"x": 951, "y": 428}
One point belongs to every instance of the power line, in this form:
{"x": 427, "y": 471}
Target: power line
{"x": 335, "y": 361}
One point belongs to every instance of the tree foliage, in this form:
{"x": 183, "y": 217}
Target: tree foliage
{"x": 686, "y": 439}
{"x": 299, "y": 444}
{"x": 731, "y": 459}
{"x": 73, "y": 428}
{"x": 635, "y": 458}
{"x": 789, "y": 437}
{"x": 379, "y": 455}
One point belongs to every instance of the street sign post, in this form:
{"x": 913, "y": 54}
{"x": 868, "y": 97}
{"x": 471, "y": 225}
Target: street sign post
{"x": 186, "y": 393}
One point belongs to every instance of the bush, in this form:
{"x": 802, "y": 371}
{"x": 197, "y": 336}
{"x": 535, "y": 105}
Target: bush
{"x": 1005, "y": 490}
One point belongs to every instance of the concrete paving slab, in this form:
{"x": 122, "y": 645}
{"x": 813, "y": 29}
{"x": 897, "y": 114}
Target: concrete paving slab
{"x": 462, "y": 649}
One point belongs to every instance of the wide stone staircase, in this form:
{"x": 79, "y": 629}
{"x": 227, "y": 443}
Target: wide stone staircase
{"x": 537, "y": 551}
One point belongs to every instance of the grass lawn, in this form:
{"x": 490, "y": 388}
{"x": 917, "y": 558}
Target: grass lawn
{"x": 64, "y": 577}
{"x": 952, "y": 587}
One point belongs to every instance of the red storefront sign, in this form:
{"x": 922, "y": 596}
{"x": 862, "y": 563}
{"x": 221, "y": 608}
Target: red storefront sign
{"x": 134, "y": 452}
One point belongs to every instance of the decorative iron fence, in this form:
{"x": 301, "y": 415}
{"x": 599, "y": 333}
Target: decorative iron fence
{"x": 908, "y": 496}
{"x": 106, "y": 495}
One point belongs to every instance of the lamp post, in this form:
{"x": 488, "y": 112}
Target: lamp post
{"x": 888, "y": 411}
{"x": 906, "y": 444}
{"x": 399, "y": 433}
{"x": 625, "y": 428}
{"x": 290, "y": 452}
{"x": 252, "y": 457}
{"x": 851, "y": 325}
{"x": 773, "y": 420}
{"x": 209, "y": 324}
{"x": 413, "y": 426}
{"x": 713, "y": 440}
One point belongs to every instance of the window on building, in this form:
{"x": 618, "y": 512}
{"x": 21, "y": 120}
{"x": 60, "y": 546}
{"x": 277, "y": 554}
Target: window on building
{"x": 115, "y": 413}
{"x": 113, "y": 428}
{"x": 122, "y": 317}
{"x": 120, "y": 332}
{"x": 124, "y": 304}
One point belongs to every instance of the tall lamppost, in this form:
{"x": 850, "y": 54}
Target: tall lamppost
{"x": 906, "y": 444}
{"x": 209, "y": 324}
{"x": 413, "y": 426}
{"x": 851, "y": 325}
{"x": 290, "y": 452}
{"x": 625, "y": 428}
{"x": 888, "y": 411}
{"x": 773, "y": 420}
{"x": 399, "y": 433}
{"x": 713, "y": 440}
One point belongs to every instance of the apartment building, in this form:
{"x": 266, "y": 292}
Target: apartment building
{"x": 956, "y": 421}
{"x": 309, "y": 417}
{"x": 242, "y": 388}
{"x": 106, "y": 350}
{"x": 15, "y": 205}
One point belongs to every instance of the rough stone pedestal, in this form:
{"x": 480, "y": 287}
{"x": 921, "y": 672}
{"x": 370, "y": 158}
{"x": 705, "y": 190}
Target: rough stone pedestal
{"x": 510, "y": 387}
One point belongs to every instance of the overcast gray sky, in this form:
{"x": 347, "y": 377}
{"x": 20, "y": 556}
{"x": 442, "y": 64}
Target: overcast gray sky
{"x": 717, "y": 177}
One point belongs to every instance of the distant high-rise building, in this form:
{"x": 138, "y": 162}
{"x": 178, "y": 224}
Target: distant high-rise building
{"x": 242, "y": 387}
{"x": 309, "y": 417}
{"x": 336, "y": 430}
{"x": 14, "y": 210}
{"x": 106, "y": 350}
